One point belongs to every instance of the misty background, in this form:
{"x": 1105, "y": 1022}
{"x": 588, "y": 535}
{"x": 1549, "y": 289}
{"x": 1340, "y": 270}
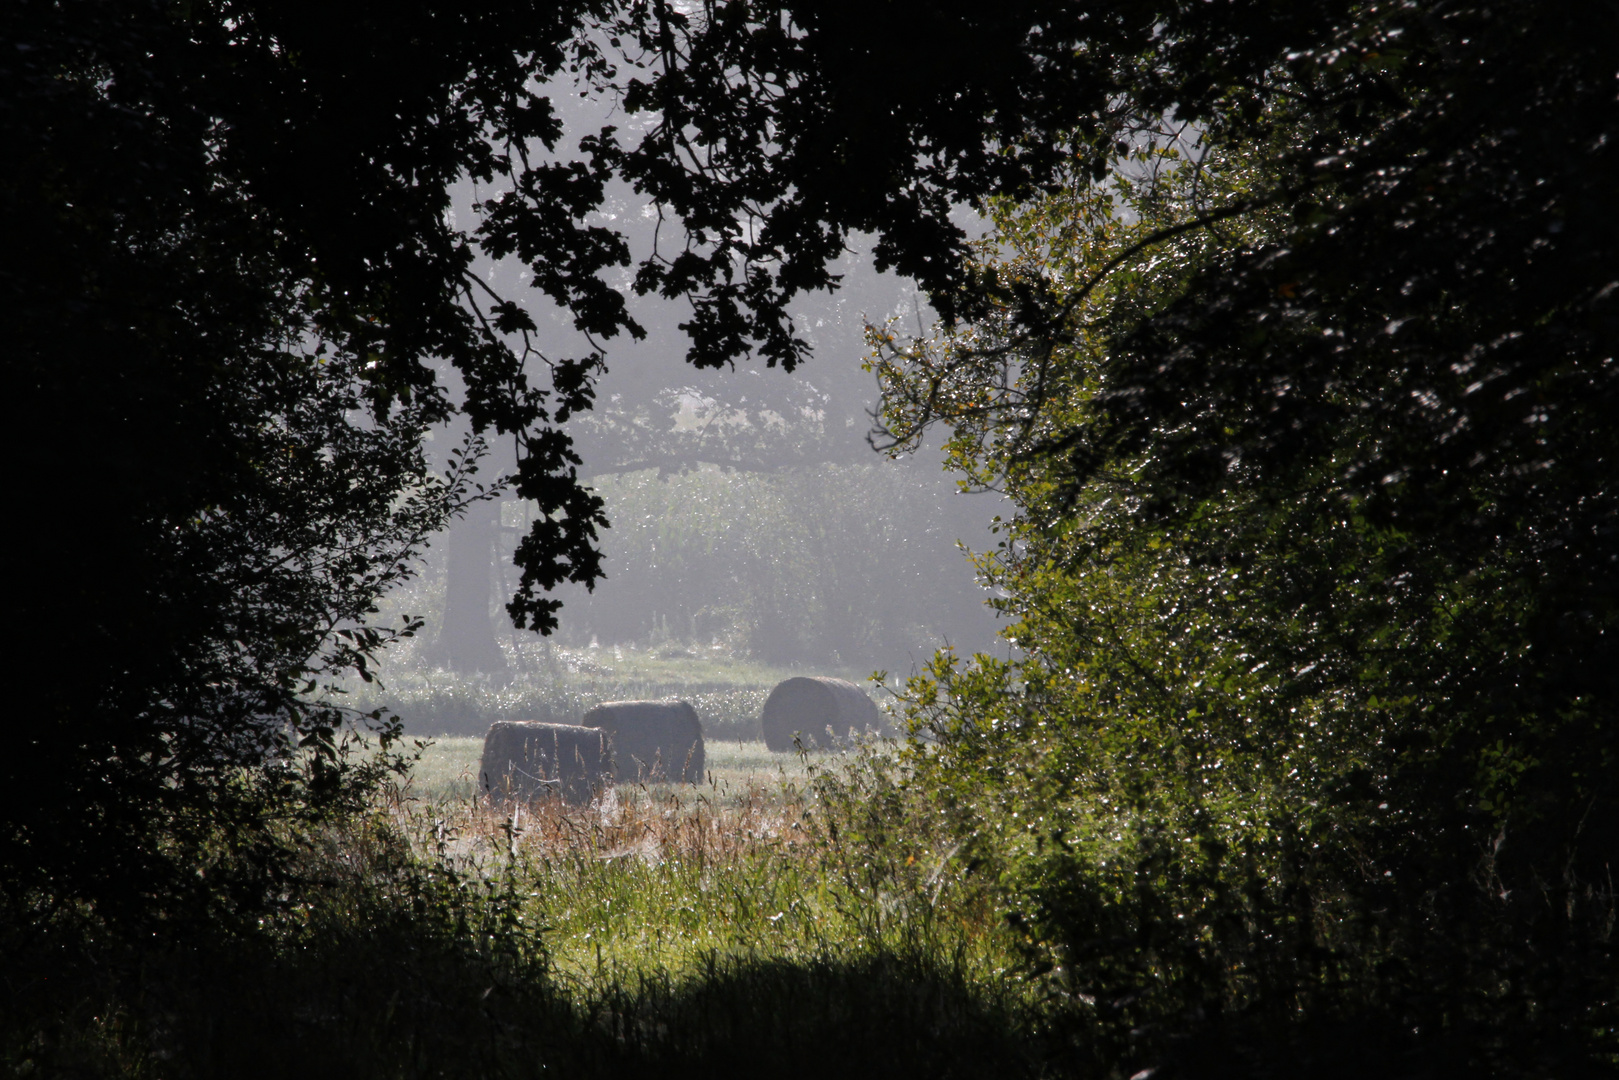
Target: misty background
{"x": 751, "y": 517}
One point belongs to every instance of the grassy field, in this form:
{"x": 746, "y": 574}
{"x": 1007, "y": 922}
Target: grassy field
{"x": 558, "y": 685}
{"x": 653, "y": 880}
{"x": 791, "y": 915}
{"x": 769, "y": 860}
{"x": 771, "y": 921}
{"x": 657, "y": 881}
{"x": 449, "y": 763}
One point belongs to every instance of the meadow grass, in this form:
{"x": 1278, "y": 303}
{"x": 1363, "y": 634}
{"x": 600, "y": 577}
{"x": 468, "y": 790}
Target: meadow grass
{"x": 449, "y": 764}
{"x": 762, "y": 922}
{"x": 662, "y": 880}
{"x": 778, "y": 917}
{"x": 550, "y": 683}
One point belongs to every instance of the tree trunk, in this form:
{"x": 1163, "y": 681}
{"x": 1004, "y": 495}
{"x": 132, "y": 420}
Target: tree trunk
{"x": 466, "y": 641}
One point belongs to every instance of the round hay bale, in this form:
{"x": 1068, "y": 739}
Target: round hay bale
{"x": 651, "y": 740}
{"x": 527, "y": 761}
{"x": 808, "y": 706}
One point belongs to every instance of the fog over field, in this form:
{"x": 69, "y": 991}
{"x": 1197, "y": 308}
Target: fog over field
{"x": 752, "y": 511}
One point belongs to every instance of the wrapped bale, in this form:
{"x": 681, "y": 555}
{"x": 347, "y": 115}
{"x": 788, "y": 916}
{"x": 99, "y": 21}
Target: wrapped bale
{"x": 529, "y": 761}
{"x": 809, "y": 706}
{"x": 651, "y": 740}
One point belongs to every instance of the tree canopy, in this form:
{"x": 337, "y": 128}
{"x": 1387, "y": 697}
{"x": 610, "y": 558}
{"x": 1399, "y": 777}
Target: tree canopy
{"x": 1324, "y": 410}
{"x": 1306, "y": 411}
{"x": 230, "y": 285}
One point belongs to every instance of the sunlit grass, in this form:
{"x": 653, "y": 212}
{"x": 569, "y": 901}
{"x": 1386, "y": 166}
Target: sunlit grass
{"x": 663, "y": 881}
{"x": 449, "y": 764}
{"x": 553, "y": 684}
{"x": 690, "y": 929}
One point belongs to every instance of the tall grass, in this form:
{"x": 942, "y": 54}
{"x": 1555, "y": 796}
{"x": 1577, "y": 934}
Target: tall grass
{"x": 794, "y": 927}
{"x": 662, "y": 879}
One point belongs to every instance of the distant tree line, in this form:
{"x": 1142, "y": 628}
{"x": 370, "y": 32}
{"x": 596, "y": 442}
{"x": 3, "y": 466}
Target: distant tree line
{"x": 857, "y": 566}
{"x": 851, "y": 565}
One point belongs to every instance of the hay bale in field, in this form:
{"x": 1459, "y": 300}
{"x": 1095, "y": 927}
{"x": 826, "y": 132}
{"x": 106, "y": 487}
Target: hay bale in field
{"x": 652, "y": 740}
{"x": 808, "y": 706}
{"x": 532, "y": 761}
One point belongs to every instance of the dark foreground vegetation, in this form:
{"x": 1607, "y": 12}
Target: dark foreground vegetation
{"x": 399, "y": 952}
{"x": 1293, "y": 349}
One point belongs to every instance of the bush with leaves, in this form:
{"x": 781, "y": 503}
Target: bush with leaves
{"x": 1307, "y": 751}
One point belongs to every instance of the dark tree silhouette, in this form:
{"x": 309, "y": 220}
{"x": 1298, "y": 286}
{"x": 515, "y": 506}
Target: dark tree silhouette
{"x": 466, "y": 638}
{"x": 228, "y": 282}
